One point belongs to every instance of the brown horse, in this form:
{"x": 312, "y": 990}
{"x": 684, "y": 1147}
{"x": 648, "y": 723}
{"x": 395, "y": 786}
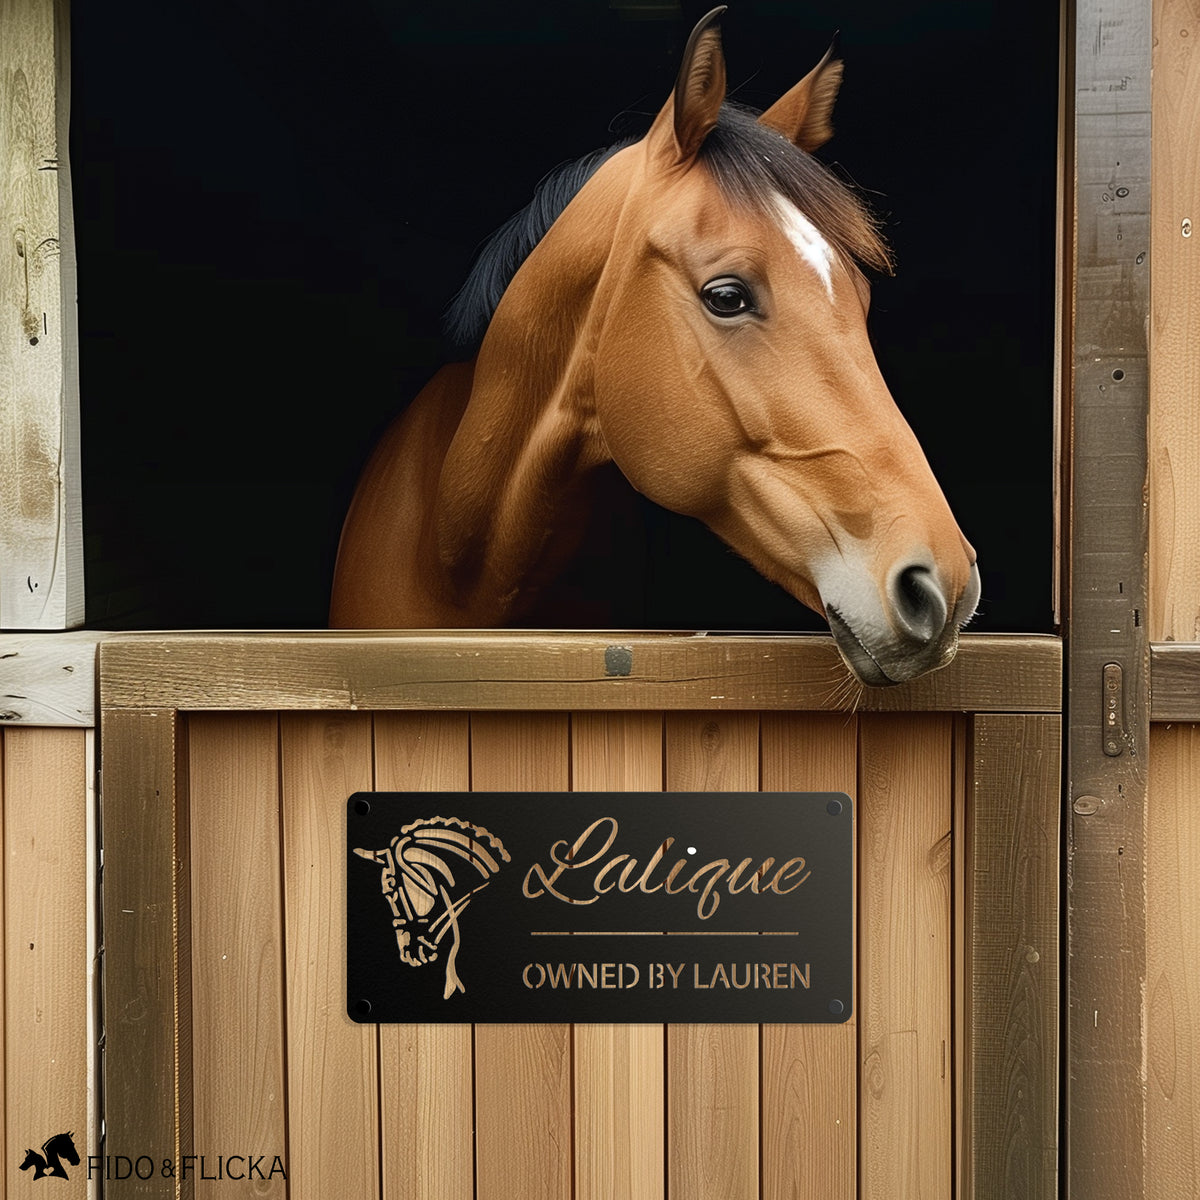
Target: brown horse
{"x": 689, "y": 307}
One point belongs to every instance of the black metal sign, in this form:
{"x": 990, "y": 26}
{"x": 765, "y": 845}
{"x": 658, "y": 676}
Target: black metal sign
{"x": 600, "y": 906}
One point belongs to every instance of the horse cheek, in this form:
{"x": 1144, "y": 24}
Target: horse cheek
{"x": 656, "y": 424}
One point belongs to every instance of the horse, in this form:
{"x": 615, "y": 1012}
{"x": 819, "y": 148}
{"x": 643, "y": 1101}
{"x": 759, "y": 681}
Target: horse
{"x": 690, "y": 308}
{"x": 48, "y": 1164}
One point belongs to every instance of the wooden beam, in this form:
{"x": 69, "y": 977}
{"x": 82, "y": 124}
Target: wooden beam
{"x": 41, "y": 522}
{"x": 1107, "y": 617}
{"x": 1175, "y": 681}
{"x": 147, "y": 945}
{"x": 48, "y": 678}
{"x": 545, "y": 671}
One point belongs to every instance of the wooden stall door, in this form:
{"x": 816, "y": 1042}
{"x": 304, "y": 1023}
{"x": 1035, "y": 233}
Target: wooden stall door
{"x": 871, "y": 1108}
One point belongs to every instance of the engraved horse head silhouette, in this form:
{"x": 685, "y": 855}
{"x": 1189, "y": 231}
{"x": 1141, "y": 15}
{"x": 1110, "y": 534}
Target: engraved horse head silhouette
{"x": 426, "y": 895}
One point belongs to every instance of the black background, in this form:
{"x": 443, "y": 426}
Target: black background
{"x": 275, "y": 201}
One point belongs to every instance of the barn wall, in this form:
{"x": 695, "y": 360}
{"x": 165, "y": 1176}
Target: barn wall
{"x": 47, "y": 912}
{"x": 1172, "y": 994}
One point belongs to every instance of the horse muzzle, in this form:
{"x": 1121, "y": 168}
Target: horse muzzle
{"x": 910, "y": 630}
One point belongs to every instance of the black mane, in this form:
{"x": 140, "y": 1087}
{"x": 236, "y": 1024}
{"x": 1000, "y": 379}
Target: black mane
{"x": 502, "y": 254}
{"x": 751, "y": 164}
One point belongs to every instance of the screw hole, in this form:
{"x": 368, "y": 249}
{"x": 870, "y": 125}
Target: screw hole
{"x": 1118, "y": 375}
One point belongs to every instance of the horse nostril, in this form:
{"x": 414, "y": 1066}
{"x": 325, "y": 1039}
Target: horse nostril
{"x": 918, "y": 604}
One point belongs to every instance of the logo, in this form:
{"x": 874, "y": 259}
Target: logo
{"x": 426, "y": 896}
{"x": 48, "y": 1164}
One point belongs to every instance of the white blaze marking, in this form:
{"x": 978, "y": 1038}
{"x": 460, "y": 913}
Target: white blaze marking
{"x": 809, "y": 243}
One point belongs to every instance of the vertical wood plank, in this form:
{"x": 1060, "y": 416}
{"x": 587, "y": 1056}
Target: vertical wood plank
{"x": 712, "y": 1070}
{"x": 1013, "y": 952}
{"x": 4, "y": 1110}
{"x": 147, "y": 984}
{"x": 523, "y": 1116}
{"x": 47, "y": 969}
{"x": 1175, "y": 318}
{"x": 332, "y": 1085}
{"x": 810, "y": 1072}
{"x": 41, "y": 528}
{"x": 426, "y": 1071}
{"x": 905, "y": 848}
{"x": 619, "y": 1098}
{"x": 1108, "y": 604}
{"x": 1172, "y": 951}
{"x": 238, "y": 1034}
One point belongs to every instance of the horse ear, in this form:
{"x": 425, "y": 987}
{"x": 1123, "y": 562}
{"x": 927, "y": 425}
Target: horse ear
{"x": 803, "y": 114}
{"x": 691, "y": 111}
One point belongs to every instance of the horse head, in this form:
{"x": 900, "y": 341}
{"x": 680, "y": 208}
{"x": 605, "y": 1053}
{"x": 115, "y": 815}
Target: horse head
{"x": 724, "y": 363}
{"x": 423, "y": 890}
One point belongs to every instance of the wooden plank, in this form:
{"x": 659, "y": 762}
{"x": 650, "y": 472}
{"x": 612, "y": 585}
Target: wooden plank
{"x": 712, "y": 1070}
{"x": 523, "y": 1120}
{"x": 905, "y": 854}
{"x": 619, "y": 1088}
{"x": 4, "y": 1122}
{"x": 41, "y": 526}
{"x": 426, "y": 1071}
{"x": 147, "y": 988}
{"x": 962, "y": 983}
{"x": 332, "y": 1081}
{"x": 47, "y": 972}
{"x": 1108, "y": 612}
{"x": 1013, "y": 863}
{"x": 239, "y": 1060}
{"x": 48, "y": 679}
{"x": 1174, "y": 682}
{"x": 1174, "y": 455}
{"x": 510, "y": 671}
{"x": 810, "y": 1072}
{"x": 1172, "y": 950}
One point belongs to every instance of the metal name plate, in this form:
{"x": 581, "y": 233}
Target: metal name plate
{"x": 600, "y": 906}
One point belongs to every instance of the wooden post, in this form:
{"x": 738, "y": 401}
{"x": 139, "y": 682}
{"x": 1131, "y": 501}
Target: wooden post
{"x": 41, "y": 535}
{"x": 1108, "y": 650}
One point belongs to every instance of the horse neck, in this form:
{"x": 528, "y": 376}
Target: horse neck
{"x": 517, "y": 475}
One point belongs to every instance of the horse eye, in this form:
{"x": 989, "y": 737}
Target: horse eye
{"x": 727, "y": 298}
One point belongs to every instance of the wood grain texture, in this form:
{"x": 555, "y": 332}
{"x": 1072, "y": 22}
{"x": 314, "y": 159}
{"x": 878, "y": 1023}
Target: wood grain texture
{"x": 619, "y": 1087}
{"x": 147, "y": 935}
{"x": 41, "y": 527}
{"x": 426, "y": 1071}
{"x": 523, "y": 1117}
{"x": 1172, "y": 951}
{"x": 810, "y": 1072}
{"x": 1013, "y": 866}
{"x": 332, "y": 1082}
{"x": 1175, "y": 682}
{"x": 713, "y": 1070}
{"x": 1174, "y": 451}
{"x": 511, "y": 671}
{"x": 905, "y": 855}
{"x": 48, "y": 679}
{"x": 1107, "y": 618}
{"x": 47, "y": 969}
{"x": 239, "y": 1050}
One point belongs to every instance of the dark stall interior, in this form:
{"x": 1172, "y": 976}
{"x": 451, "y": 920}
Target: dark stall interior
{"x": 274, "y": 203}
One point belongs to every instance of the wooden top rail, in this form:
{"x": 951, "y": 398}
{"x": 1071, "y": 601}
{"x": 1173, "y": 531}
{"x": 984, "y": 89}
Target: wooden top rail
{"x": 507, "y": 670}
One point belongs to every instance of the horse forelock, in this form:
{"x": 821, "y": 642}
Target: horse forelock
{"x": 754, "y": 166}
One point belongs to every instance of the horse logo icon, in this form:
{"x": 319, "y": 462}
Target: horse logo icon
{"x": 48, "y": 1164}
{"x": 426, "y": 896}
